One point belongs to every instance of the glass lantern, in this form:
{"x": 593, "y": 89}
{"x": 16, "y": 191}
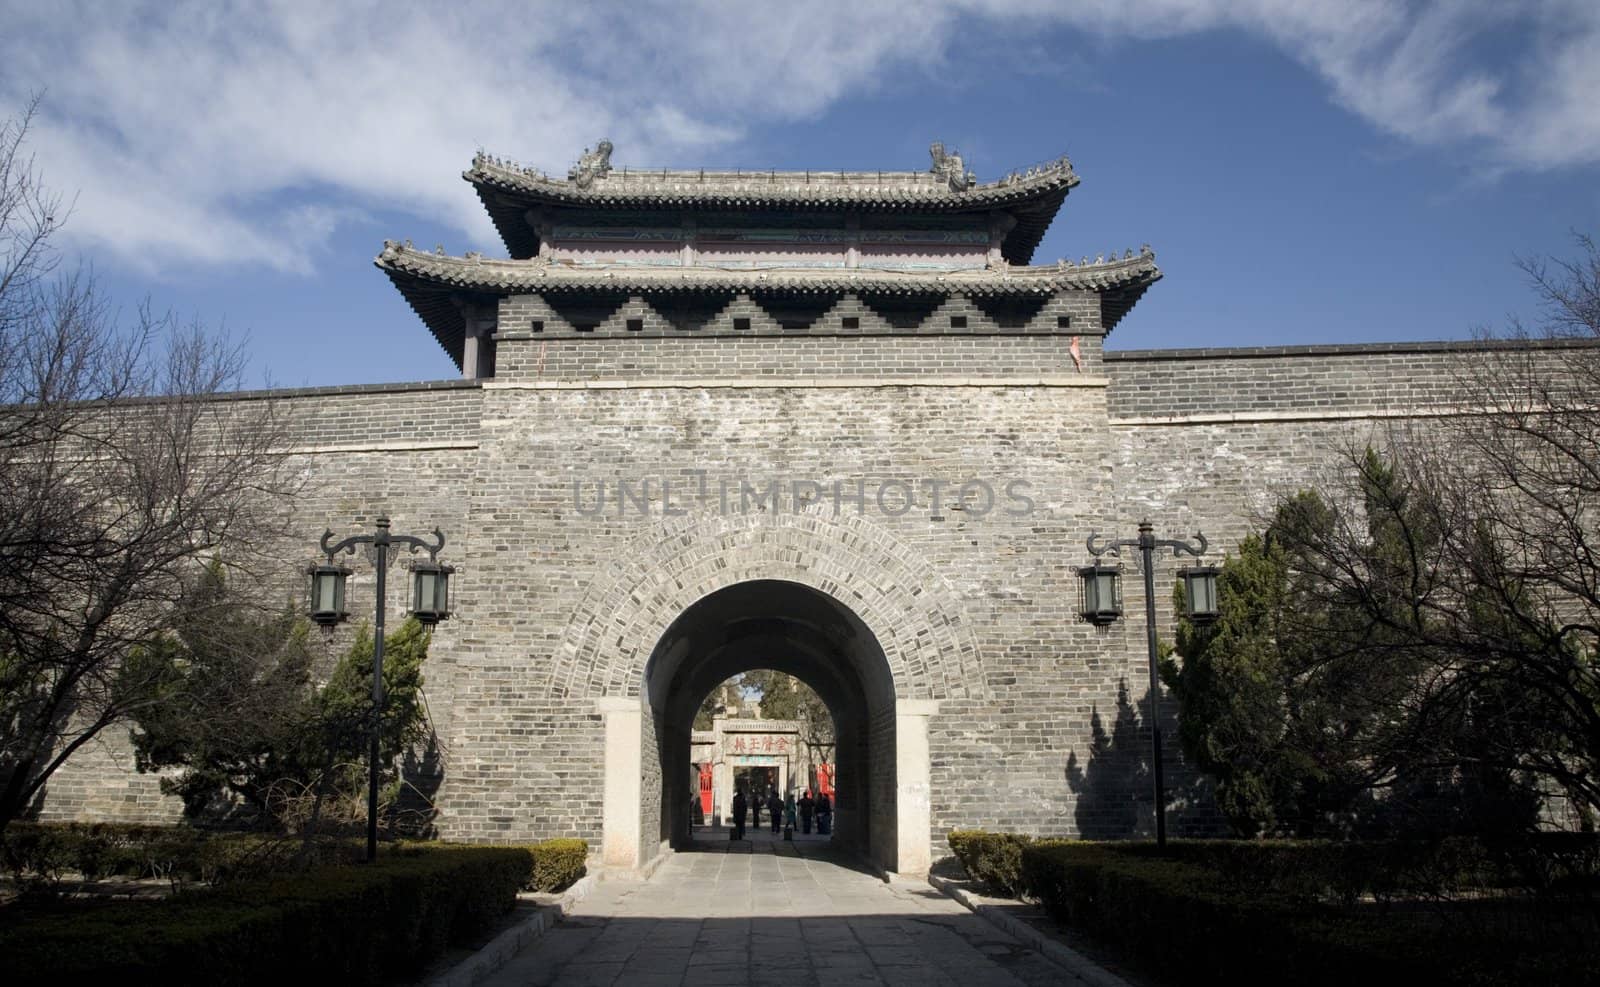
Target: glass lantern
{"x": 1099, "y": 593}
{"x": 1200, "y": 592}
{"x": 430, "y": 592}
{"x": 327, "y": 593}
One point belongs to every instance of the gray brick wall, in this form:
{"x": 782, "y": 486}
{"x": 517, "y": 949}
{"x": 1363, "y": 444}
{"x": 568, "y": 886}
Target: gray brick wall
{"x": 849, "y": 340}
{"x": 1041, "y": 724}
{"x": 1302, "y": 381}
{"x": 665, "y": 358}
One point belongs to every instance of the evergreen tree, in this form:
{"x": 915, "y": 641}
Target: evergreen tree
{"x": 1311, "y": 700}
{"x": 241, "y": 717}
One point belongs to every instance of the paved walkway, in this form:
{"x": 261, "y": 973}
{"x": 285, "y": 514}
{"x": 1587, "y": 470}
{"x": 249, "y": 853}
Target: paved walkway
{"x": 766, "y": 912}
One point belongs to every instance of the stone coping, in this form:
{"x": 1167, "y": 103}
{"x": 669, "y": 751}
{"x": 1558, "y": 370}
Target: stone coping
{"x": 277, "y": 393}
{"x": 270, "y": 393}
{"x": 1344, "y": 349}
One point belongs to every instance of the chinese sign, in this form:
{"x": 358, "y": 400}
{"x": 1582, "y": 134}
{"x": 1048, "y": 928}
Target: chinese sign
{"x": 753, "y": 744}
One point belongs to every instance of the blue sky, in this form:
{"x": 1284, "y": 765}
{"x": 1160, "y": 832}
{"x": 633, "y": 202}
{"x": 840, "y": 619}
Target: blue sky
{"x": 1316, "y": 171}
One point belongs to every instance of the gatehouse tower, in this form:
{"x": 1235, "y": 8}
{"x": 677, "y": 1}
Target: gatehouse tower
{"x": 801, "y": 380}
{"x": 640, "y": 267}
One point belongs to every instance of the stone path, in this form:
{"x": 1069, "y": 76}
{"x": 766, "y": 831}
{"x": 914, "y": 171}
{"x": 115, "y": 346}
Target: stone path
{"x": 764, "y": 912}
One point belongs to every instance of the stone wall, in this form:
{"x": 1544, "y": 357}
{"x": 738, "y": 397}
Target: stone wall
{"x": 1307, "y": 383}
{"x": 1040, "y": 724}
{"x": 407, "y": 451}
{"x": 696, "y": 359}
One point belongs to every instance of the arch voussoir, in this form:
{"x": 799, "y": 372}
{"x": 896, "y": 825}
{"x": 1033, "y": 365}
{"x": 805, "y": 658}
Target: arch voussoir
{"x": 913, "y": 612}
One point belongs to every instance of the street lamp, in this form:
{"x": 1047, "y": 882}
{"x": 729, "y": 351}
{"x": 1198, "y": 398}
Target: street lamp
{"x": 1201, "y": 589}
{"x": 430, "y": 604}
{"x": 1200, "y": 592}
{"x": 1100, "y": 593}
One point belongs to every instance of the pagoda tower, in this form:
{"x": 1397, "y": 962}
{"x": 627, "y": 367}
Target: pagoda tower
{"x": 619, "y": 253}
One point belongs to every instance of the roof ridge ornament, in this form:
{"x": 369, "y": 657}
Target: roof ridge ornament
{"x": 948, "y": 166}
{"x": 591, "y": 165}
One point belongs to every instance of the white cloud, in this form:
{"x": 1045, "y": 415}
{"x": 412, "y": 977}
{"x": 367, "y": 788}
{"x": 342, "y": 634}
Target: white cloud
{"x": 178, "y": 120}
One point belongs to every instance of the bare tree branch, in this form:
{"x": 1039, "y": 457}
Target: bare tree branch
{"x": 122, "y": 474}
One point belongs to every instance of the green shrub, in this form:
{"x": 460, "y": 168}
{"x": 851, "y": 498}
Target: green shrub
{"x": 557, "y": 864}
{"x": 994, "y": 858}
{"x": 1322, "y": 870}
{"x": 46, "y": 853}
{"x": 34, "y": 853}
{"x": 361, "y": 924}
{"x": 1243, "y": 913}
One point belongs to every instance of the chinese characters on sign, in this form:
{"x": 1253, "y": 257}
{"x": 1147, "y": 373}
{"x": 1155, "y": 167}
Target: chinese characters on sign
{"x": 760, "y": 745}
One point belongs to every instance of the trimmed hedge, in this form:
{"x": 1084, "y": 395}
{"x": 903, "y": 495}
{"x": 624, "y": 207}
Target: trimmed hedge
{"x": 1242, "y": 913}
{"x": 47, "y": 852}
{"x": 33, "y": 853}
{"x": 359, "y": 924}
{"x": 994, "y": 858}
{"x": 557, "y": 864}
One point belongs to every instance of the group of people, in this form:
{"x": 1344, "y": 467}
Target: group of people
{"x": 792, "y": 812}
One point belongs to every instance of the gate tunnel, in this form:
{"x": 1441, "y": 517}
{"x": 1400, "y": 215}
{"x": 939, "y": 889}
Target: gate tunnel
{"x": 808, "y": 634}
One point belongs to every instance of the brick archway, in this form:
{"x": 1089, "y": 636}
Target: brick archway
{"x": 899, "y": 604}
{"x": 911, "y": 609}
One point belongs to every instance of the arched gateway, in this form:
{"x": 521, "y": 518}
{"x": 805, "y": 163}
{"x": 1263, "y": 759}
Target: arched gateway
{"x": 699, "y": 601}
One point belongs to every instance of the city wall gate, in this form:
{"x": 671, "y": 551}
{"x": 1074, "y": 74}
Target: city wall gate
{"x": 838, "y": 424}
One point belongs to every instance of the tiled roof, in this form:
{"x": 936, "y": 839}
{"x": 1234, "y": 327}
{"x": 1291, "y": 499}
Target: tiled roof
{"x": 1033, "y": 196}
{"x": 435, "y": 284}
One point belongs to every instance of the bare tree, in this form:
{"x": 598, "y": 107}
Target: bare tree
{"x": 121, "y": 472}
{"x": 1487, "y": 582}
{"x": 1516, "y": 486}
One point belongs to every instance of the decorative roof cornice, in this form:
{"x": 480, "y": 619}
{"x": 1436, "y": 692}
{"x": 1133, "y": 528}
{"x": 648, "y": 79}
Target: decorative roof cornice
{"x": 922, "y": 191}
{"x": 440, "y": 287}
{"x": 1033, "y": 194}
{"x": 503, "y": 277}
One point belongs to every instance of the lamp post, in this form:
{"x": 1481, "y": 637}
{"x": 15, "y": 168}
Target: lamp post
{"x": 430, "y": 604}
{"x": 1102, "y": 604}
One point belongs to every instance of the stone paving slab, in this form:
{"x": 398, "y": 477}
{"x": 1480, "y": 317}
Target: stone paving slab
{"x": 779, "y": 915}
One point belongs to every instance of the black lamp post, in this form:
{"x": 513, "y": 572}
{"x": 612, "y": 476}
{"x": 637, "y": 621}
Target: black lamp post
{"x": 430, "y": 604}
{"x": 1101, "y": 604}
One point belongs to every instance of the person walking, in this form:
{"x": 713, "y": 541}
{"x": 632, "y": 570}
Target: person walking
{"x": 824, "y": 814}
{"x": 790, "y": 814}
{"x": 755, "y": 808}
{"x": 775, "y": 807}
{"x": 808, "y": 806}
{"x": 739, "y": 810}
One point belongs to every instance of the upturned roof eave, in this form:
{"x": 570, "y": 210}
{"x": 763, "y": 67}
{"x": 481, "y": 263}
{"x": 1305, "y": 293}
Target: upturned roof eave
{"x": 434, "y": 284}
{"x": 1034, "y": 200}
{"x": 477, "y": 273}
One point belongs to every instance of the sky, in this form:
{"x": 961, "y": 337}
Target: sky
{"x": 1307, "y": 171}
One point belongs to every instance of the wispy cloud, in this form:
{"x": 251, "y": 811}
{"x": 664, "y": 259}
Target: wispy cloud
{"x": 180, "y": 122}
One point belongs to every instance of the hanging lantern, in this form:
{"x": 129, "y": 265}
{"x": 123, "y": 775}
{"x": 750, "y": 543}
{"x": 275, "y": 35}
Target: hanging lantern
{"x": 1099, "y": 593}
{"x": 430, "y": 592}
{"x": 1200, "y": 592}
{"x": 327, "y": 593}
